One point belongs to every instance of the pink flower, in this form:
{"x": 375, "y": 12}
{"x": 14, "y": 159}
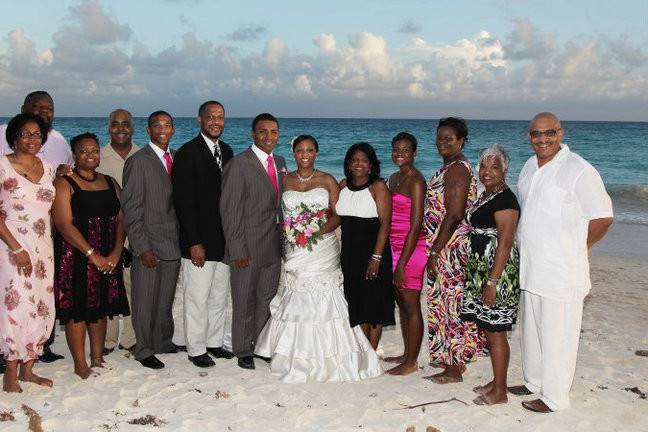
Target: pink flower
{"x": 12, "y": 298}
{"x": 39, "y": 227}
{"x": 42, "y": 309}
{"x": 10, "y": 184}
{"x": 39, "y": 270}
{"x": 45, "y": 195}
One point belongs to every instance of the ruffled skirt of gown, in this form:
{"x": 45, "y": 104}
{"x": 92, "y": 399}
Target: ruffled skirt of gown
{"x": 308, "y": 335}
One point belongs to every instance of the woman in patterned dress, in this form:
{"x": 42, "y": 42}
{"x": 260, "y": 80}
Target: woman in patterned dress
{"x": 26, "y": 262}
{"x": 492, "y": 289}
{"x": 453, "y": 342}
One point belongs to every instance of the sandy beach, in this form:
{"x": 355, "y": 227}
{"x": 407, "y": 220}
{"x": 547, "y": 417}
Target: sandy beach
{"x": 609, "y": 391}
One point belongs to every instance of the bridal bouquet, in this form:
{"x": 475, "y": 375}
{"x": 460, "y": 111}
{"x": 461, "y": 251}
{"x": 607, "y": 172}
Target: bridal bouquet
{"x": 303, "y": 227}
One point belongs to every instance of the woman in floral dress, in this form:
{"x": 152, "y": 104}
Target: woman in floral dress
{"x": 26, "y": 257}
{"x": 453, "y": 342}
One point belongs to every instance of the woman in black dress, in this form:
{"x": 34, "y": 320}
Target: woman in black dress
{"x": 492, "y": 290}
{"x": 364, "y": 206}
{"x": 88, "y": 283}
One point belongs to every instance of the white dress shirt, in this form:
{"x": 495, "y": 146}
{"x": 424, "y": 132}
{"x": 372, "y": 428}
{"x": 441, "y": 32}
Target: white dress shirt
{"x": 557, "y": 202}
{"x": 160, "y": 154}
{"x": 55, "y": 149}
{"x": 263, "y": 157}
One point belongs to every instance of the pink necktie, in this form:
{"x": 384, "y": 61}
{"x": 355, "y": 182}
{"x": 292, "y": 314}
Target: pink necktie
{"x": 167, "y": 160}
{"x": 272, "y": 175}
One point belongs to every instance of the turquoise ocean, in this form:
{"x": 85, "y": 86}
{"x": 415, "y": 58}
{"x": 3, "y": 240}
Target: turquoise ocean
{"x": 618, "y": 150}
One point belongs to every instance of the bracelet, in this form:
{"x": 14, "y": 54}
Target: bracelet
{"x": 492, "y": 281}
{"x": 433, "y": 253}
{"x": 16, "y": 251}
{"x": 89, "y": 252}
{"x": 376, "y": 257}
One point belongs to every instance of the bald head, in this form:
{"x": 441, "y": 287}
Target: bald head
{"x": 544, "y": 117}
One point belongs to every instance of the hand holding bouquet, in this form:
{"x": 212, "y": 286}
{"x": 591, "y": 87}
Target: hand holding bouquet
{"x": 303, "y": 227}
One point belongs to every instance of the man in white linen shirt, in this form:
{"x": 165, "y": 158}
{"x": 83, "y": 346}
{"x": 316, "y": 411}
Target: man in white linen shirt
{"x": 564, "y": 211}
{"x": 55, "y": 151}
{"x": 113, "y": 158}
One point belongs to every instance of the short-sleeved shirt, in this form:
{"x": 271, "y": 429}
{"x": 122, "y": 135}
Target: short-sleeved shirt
{"x": 113, "y": 164}
{"x": 557, "y": 202}
{"x": 55, "y": 150}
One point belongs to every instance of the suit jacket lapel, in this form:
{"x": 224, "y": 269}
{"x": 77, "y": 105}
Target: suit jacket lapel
{"x": 261, "y": 169}
{"x": 155, "y": 160}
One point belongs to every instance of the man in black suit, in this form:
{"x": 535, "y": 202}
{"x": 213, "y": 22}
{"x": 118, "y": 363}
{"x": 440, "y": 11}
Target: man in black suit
{"x": 197, "y": 170}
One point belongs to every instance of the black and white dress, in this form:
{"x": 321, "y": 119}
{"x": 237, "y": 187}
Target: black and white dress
{"x": 483, "y": 244}
{"x": 370, "y": 301}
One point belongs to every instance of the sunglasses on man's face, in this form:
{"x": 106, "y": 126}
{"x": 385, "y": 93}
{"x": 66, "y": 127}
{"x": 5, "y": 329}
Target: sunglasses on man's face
{"x": 549, "y": 133}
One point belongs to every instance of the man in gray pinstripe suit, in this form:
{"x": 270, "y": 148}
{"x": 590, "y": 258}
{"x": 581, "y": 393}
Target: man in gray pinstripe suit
{"x": 250, "y": 211}
{"x": 152, "y": 227}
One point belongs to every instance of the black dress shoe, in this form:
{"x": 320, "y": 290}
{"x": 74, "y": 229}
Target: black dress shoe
{"x": 220, "y": 352}
{"x": 265, "y": 359}
{"x": 48, "y": 356}
{"x": 152, "y": 362}
{"x": 246, "y": 362}
{"x": 175, "y": 349}
{"x": 203, "y": 360}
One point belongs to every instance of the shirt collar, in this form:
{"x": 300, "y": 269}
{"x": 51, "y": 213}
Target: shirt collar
{"x": 210, "y": 143}
{"x": 158, "y": 151}
{"x": 260, "y": 153}
{"x": 109, "y": 151}
{"x": 562, "y": 153}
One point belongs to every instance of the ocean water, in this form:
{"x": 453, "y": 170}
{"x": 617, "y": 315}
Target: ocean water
{"x": 618, "y": 150}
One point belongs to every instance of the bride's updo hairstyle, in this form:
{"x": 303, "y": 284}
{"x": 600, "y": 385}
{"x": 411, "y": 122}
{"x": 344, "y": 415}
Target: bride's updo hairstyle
{"x": 301, "y": 138}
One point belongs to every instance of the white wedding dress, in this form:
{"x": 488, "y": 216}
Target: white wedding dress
{"x": 308, "y": 335}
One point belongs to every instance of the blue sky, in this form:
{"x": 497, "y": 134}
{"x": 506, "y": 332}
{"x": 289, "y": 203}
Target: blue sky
{"x": 480, "y": 59}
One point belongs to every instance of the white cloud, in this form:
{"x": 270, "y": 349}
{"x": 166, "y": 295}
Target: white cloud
{"x": 93, "y": 58}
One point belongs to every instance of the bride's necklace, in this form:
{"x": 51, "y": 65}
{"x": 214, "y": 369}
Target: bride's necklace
{"x": 88, "y": 179}
{"x": 305, "y": 179}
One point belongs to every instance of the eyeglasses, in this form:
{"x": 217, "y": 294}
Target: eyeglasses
{"x": 29, "y": 135}
{"x": 549, "y": 133}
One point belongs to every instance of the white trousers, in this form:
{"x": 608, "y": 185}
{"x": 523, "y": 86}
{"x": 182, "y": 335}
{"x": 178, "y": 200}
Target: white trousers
{"x": 204, "y": 294}
{"x": 127, "y": 338}
{"x": 550, "y": 335}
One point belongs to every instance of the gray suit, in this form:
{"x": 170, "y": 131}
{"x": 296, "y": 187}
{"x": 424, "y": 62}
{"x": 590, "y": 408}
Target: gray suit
{"x": 151, "y": 224}
{"x": 250, "y": 210}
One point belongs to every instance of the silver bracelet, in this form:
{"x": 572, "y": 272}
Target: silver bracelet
{"x": 89, "y": 252}
{"x": 17, "y": 251}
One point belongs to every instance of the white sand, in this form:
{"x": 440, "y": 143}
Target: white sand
{"x": 229, "y": 398}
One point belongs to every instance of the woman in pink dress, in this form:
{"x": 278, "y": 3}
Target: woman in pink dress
{"x": 26, "y": 262}
{"x": 407, "y": 239}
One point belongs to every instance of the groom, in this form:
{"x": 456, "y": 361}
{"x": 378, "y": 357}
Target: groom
{"x": 250, "y": 213}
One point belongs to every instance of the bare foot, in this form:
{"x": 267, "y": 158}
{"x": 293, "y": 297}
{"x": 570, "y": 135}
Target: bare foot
{"x": 403, "y": 369}
{"x": 482, "y": 389}
{"x": 437, "y": 365}
{"x": 98, "y": 362}
{"x": 10, "y": 385}
{"x": 399, "y": 359}
{"x": 451, "y": 374}
{"x": 491, "y": 398}
{"x": 83, "y": 372}
{"x": 33, "y": 378}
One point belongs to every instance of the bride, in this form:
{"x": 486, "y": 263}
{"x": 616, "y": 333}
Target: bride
{"x": 308, "y": 335}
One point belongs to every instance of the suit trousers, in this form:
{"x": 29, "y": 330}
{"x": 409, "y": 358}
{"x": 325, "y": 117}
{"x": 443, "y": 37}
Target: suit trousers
{"x": 152, "y": 291}
{"x": 253, "y": 288}
{"x": 549, "y": 339}
{"x": 127, "y": 339}
{"x": 206, "y": 291}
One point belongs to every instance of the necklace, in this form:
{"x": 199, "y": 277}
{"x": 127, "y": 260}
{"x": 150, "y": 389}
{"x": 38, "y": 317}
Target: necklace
{"x": 485, "y": 197}
{"x": 89, "y": 180}
{"x": 29, "y": 171}
{"x": 305, "y": 179}
{"x": 401, "y": 178}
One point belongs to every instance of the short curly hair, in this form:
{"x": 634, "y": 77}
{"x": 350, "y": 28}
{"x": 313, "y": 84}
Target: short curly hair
{"x": 370, "y": 153}
{"x": 18, "y": 122}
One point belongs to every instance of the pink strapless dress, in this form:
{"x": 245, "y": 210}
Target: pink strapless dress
{"x": 401, "y": 207}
